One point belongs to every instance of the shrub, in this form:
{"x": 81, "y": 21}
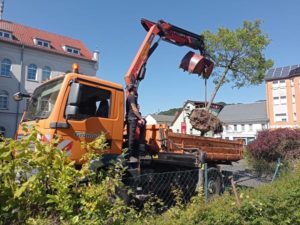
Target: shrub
{"x": 275, "y": 203}
{"x": 40, "y": 183}
{"x": 281, "y": 143}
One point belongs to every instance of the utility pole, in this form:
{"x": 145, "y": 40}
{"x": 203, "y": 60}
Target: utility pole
{"x": 1, "y": 9}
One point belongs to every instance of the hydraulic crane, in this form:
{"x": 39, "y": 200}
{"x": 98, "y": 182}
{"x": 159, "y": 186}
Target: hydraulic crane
{"x": 191, "y": 62}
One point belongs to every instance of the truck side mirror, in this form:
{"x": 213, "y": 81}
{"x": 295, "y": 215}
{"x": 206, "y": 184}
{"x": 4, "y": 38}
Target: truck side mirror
{"x": 74, "y": 94}
{"x": 72, "y": 109}
{"x": 19, "y": 96}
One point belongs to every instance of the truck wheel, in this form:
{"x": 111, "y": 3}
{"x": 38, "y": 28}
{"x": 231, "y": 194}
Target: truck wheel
{"x": 214, "y": 183}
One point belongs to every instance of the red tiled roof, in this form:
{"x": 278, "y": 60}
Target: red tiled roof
{"x": 24, "y": 35}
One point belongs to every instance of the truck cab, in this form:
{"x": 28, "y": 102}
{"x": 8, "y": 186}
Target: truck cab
{"x": 77, "y": 108}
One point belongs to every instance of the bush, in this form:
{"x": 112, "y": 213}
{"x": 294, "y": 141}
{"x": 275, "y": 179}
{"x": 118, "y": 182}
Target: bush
{"x": 281, "y": 143}
{"x": 41, "y": 185}
{"x": 275, "y": 203}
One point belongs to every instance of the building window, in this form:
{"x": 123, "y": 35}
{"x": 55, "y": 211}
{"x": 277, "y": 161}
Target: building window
{"x": 45, "y": 105}
{"x": 282, "y": 81}
{"x": 3, "y": 100}
{"x": 280, "y": 114}
{"x": 250, "y": 127}
{"x": 32, "y": 71}
{"x": 42, "y": 43}
{"x": 5, "y": 67}
{"x": 71, "y": 50}
{"x": 5, "y": 34}
{"x": 275, "y": 82}
{"x": 280, "y": 117}
{"x": 276, "y": 100}
{"x": 2, "y": 131}
{"x": 46, "y": 73}
{"x": 243, "y": 127}
{"x": 235, "y": 127}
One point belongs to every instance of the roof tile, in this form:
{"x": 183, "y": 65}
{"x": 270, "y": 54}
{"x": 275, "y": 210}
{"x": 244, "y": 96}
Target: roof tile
{"x": 24, "y": 35}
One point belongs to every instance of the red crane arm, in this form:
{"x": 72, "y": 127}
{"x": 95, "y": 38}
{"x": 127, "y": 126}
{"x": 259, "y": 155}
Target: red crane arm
{"x": 166, "y": 32}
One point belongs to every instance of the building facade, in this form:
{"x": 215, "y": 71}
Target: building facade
{"x": 243, "y": 121}
{"x": 283, "y": 96}
{"x": 159, "y": 119}
{"x": 182, "y": 124}
{"x": 30, "y": 56}
{"x": 240, "y": 121}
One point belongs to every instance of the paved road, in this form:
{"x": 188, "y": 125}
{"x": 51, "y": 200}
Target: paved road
{"x": 243, "y": 176}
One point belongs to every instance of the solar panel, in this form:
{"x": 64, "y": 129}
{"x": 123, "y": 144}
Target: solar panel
{"x": 270, "y": 72}
{"x": 294, "y": 71}
{"x": 294, "y": 67}
{"x": 285, "y": 71}
{"x": 277, "y": 72}
{"x": 282, "y": 72}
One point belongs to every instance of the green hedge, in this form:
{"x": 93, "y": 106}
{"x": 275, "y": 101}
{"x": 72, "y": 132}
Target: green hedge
{"x": 275, "y": 203}
{"x": 40, "y": 185}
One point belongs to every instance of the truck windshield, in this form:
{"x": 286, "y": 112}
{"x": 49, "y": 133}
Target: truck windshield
{"x": 43, "y": 100}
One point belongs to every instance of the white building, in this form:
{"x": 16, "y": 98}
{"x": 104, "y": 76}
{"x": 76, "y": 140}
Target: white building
{"x": 159, "y": 119}
{"x": 240, "y": 121}
{"x": 181, "y": 123}
{"x": 29, "y": 56}
{"x": 243, "y": 121}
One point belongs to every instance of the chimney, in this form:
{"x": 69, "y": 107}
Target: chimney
{"x": 96, "y": 57}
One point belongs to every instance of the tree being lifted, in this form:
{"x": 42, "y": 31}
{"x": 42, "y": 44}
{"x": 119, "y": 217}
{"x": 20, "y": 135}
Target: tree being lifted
{"x": 238, "y": 57}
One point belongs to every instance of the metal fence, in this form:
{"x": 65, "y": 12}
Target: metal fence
{"x": 168, "y": 187}
{"x": 171, "y": 187}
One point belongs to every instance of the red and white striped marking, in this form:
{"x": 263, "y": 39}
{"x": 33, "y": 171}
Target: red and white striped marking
{"x": 66, "y": 145}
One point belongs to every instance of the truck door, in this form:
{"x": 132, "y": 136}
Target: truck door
{"x": 95, "y": 114}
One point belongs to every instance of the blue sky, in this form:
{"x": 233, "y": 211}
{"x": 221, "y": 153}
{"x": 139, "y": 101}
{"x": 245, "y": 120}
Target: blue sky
{"x": 114, "y": 28}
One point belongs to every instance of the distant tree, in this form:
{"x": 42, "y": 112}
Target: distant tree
{"x": 170, "y": 112}
{"x": 221, "y": 103}
{"x": 238, "y": 55}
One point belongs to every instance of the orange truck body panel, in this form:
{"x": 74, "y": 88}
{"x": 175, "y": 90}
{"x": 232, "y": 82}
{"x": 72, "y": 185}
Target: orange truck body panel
{"x": 83, "y": 131}
{"x": 216, "y": 149}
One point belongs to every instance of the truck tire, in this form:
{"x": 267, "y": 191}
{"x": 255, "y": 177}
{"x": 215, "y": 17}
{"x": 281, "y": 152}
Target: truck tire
{"x": 214, "y": 183}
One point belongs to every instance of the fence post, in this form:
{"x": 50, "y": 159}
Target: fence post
{"x": 200, "y": 177}
{"x": 277, "y": 169}
{"x": 205, "y": 182}
{"x": 238, "y": 201}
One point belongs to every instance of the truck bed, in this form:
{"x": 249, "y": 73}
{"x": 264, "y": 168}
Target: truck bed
{"x": 163, "y": 142}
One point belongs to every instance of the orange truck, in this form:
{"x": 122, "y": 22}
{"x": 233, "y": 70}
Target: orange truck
{"x": 79, "y": 107}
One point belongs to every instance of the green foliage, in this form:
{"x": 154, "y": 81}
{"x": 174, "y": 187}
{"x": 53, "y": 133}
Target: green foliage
{"x": 276, "y": 203}
{"x": 240, "y": 53}
{"x": 170, "y": 112}
{"x": 40, "y": 185}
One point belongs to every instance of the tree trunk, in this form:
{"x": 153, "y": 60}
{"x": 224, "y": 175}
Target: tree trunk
{"x": 217, "y": 88}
